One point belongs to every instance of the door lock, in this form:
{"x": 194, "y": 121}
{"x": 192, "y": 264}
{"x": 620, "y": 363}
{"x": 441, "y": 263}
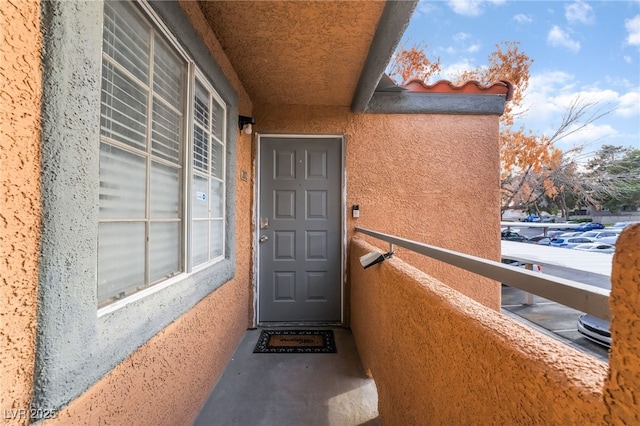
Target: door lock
{"x": 263, "y": 238}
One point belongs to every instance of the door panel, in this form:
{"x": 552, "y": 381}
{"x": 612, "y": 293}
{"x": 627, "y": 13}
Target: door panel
{"x": 299, "y": 254}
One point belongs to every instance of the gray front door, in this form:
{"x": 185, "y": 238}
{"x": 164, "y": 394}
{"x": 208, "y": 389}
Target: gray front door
{"x": 299, "y": 253}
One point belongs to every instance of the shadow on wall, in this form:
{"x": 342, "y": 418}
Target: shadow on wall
{"x": 436, "y": 354}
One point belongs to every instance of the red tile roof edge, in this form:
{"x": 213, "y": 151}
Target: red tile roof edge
{"x": 502, "y": 87}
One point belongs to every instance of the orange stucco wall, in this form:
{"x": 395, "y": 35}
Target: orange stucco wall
{"x": 20, "y": 93}
{"x": 168, "y": 379}
{"x": 622, "y": 393}
{"x": 438, "y": 357}
{"x": 416, "y": 176}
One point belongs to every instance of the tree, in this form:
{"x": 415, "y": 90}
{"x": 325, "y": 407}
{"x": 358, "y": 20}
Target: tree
{"x": 413, "y": 63}
{"x": 613, "y": 177}
{"x": 533, "y": 169}
{"x": 506, "y": 63}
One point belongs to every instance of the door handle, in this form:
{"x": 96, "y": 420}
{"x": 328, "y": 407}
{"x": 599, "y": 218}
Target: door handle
{"x": 263, "y": 238}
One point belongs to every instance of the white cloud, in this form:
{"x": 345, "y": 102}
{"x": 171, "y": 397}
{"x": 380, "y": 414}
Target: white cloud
{"x": 450, "y": 50}
{"x": 451, "y": 71}
{"x": 618, "y": 82}
{"x": 579, "y": 12}
{"x": 604, "y": 97}
{"x": 559, "y": 38}
{"x": 473, "y": 48}
{"x": 540, "y": 113}
{"x": 426, "y": 8}
{"x": 629, "y": 104}
{"x": 522, "y": 18}
{"x": 587, "y": 135}
{"x": 627, "y": 59}
{"x": 633, "y": 28}
{"x": 550, "y": 95}
{"x": 472, "y": 7}
{"x": 461, "y": 36}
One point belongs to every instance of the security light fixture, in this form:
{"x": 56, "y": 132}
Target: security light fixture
{"x": 245, "y": 122}
{"x": 374, "y": 257}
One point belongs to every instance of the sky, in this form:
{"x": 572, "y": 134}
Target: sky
{"x": 585, "y": 49}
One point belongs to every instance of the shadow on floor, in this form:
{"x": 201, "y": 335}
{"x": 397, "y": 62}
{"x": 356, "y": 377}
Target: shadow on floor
{"x": 293, "y": 389}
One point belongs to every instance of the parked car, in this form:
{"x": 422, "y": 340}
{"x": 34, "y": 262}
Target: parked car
{"x": 588, "y": 226}
{"x": 554, "y": 234}
{"x": 570, "y": 234}
{"x": 512, "y": 236}
{"x": 541, "y": 240}
{"x": 596, "y": 247}
{"x": 548, "y": 219}
{"x": 599, "y": 234}
{"x": 609, "y": 240}
{"x": 569, "y": 242}
{"x": 619, "y": 226}
{"x": 531, "y": 218}
{"x": 595, "y": 329}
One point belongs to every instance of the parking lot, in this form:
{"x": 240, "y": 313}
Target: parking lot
{"x": 551, "y": 318}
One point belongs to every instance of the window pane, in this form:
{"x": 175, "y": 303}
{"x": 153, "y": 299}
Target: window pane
{"x": 166, "y": 132}
{"x": 120, "y": 259}
{"x": 217, "y": 238}
{"x": 217, "y": 160}
{"x": 201, "y": 106}
{"x": 164, "y": 250}
{"x": 168, "y": 74}
{"x": 199, "y": 235}
{"x": 217, "y": 120}
{"x": 217, "y": 198}
{"x": 126, "y": 39}
{"x": 165, "y": 191}
{"x": 200, "y": 197}
{"x": 123, "y": 108}
{"x": 200, "y": 149}
{"x": 122, "y": 184}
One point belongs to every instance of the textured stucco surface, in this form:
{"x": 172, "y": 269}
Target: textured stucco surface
{"x": 76, "y": 348}
{"x": 166, "y": 380}
{"x": 20, "y": 97}
{"x": 418, "y": 177}
{"x": 622, "y": 392}
{"x": 296, "y": 52}
{"x": 440, "y": 358}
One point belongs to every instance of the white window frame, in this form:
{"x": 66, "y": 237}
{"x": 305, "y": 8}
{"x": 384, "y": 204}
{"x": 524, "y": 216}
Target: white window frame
{"x": 192, "y": 74}
{"x": 199, "y": 77}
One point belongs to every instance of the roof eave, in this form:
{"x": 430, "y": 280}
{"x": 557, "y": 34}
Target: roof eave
{"x": 393, "y": 23}
{"x": 436, "y": 103}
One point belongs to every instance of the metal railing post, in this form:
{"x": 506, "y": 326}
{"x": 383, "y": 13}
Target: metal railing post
{"x": 528, "y": 297}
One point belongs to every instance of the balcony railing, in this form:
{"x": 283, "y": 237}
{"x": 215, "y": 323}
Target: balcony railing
{"x": 583, "y": 297}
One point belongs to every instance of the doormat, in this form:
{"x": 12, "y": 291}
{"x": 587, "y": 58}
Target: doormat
{"x": 295, "y": 342}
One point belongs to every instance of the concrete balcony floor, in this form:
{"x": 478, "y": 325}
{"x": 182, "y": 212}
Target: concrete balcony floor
{"x": 293, "y": 389}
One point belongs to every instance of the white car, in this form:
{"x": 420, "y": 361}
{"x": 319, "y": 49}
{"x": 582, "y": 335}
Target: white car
{"x": 596, "y": 247}
{"x": 569, "y": 234}
{"x": 600, "y": 234}
{"x": 595, "y": 329}
{"x": 609, "y": 240}
{"x": 570, "y": 242}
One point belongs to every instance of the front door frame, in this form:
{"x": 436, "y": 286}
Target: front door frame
{"x": 256, "y": 221}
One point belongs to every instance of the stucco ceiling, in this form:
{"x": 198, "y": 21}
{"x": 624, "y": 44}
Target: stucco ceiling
{"x": 296, "y": 52}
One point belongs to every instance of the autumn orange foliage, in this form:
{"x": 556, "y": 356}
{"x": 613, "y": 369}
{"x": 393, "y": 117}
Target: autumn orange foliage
{"x": 528, "y": 161}
{"x": 413, "y": 63}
